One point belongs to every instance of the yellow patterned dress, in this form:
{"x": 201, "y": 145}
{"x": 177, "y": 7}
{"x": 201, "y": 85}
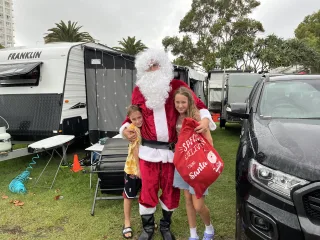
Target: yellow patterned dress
{"x": 132, "y": 163}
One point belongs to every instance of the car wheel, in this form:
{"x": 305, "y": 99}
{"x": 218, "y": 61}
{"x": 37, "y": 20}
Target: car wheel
{"x": 222, "y": 123}
{"x": 239, "y": 230}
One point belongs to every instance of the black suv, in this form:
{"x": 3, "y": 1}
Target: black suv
{"x": 278, "y": 159}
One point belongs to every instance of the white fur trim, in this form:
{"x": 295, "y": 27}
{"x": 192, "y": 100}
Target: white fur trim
{"x": 204, "y": 113}
{"x": 155, "y": 155}
{"x": 144, "y": 210}
{"x": 164, "y": 207}
{"x": 122, "y": 128}
{"x": 144, "y": 58}
{"x": 160, "y": 122}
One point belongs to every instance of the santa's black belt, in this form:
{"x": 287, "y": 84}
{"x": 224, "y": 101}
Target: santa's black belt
{"x": 157, "y": 144}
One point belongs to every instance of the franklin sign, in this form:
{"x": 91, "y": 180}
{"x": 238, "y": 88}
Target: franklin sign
{"x": 24, "y": 55}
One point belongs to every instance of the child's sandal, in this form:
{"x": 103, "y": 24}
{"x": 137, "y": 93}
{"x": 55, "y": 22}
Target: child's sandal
{"x": 126, "y": 231}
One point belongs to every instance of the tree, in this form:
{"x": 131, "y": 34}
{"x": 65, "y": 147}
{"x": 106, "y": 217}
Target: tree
{"x": 301, "y": 53}
{"x": 309, "y": 30}
{"x": 209, "y": 27}
{"x": 266, "y": 53}
{"x": 130, "y": 46}
{"x": 181, "y": 61}
{"x": 272, "y": 52}
{"x": 1, "y": 46}
{"x": 67, "y": 33}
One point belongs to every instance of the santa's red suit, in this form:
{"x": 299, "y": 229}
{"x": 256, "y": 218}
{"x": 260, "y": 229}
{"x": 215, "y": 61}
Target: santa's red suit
{"x": 157, "y": 169}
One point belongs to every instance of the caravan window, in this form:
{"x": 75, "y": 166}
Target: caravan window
{"x": 21, "y": 74}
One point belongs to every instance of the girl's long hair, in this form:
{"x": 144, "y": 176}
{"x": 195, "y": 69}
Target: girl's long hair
{"x": 192, "y": 110}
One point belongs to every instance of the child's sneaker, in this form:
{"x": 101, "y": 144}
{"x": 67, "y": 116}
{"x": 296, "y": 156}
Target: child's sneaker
{"x": 208, "y": 236}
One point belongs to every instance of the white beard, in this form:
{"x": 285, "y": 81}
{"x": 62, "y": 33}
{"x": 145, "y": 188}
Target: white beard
{"x": 155, "y": 87}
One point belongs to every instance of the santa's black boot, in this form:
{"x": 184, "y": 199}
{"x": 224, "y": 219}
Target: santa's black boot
{"x": 148, "y": 227}
{"x": 165, "y": 223}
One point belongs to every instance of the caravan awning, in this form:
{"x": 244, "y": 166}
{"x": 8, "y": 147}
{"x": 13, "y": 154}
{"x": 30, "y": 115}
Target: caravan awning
{"x": 195, "y": 75}
{"x": 8, "y": 70}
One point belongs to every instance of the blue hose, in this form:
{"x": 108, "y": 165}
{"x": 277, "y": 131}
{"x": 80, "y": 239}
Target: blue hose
{"x": 17, "y": 184}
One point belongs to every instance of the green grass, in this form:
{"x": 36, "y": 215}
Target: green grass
{"x": 43, "y": 217}
{"x": 18, "y": 146}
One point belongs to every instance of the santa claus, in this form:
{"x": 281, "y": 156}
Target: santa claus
{"x": 153, "y": 93}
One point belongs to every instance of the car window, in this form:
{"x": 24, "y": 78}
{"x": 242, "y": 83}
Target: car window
{"x": 291, "y": 99}
{"x": 253, "y": 89}
{"x": 254, "y": 92}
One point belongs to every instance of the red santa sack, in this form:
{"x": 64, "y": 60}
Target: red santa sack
{"x": 198, "y": 163}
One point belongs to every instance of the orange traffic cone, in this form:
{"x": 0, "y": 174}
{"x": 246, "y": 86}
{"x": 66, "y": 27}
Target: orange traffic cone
{"x": 76, "y": 164}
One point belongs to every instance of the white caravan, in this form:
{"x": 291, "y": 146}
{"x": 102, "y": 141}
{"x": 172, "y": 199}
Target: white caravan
{"x": 44, "y": 90}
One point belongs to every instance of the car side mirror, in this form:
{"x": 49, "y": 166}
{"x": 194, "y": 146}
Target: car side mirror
{"x": 237, "y": 110}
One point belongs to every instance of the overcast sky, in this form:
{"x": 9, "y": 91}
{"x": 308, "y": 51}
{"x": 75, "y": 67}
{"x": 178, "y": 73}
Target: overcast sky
{"x": 111, "y": 20}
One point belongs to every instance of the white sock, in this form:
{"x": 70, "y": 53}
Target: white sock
{"x": 193, "y": 233}
{"x": 209, "y": 229}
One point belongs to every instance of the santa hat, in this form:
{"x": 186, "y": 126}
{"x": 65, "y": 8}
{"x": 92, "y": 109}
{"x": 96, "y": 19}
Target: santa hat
{"x": 148, "y": 58}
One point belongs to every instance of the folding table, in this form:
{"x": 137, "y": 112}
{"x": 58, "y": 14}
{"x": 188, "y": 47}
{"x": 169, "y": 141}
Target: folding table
{"x": 52, "y": 143}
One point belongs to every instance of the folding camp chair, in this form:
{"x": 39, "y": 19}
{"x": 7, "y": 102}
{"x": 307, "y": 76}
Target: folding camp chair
{"x": 110, "y": 170}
